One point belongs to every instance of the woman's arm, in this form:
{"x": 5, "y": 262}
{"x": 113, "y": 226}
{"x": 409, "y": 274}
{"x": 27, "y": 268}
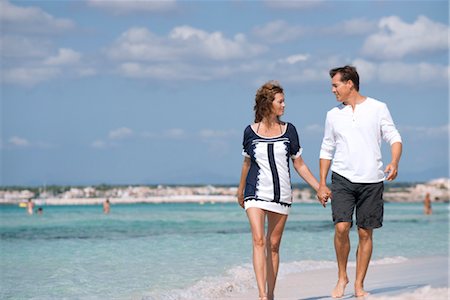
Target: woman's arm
{"x": 304, "y": 172}
{"x": 244, "y": 172}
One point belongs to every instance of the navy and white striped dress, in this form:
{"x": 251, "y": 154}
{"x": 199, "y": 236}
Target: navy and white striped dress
{"x": 268, "y": 183}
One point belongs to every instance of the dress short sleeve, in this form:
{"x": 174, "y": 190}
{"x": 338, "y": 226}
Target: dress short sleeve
{"x": 295, "y": 149}
{"x": 246, "y": 142}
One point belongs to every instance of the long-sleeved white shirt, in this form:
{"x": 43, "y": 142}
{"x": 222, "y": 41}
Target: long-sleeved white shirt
{"x": 352, "y": 140}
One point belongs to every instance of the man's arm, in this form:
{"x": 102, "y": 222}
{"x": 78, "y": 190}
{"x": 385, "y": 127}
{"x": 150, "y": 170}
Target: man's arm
{"x": 392, "y": 167}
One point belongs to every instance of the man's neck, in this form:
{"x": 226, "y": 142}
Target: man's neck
{"x": 354, "y": 99}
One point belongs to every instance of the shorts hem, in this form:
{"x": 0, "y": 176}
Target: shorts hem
{"x": 370, "y": 227}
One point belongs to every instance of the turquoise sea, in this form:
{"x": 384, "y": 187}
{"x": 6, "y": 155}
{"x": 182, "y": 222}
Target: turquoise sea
{"x": 180, "y": 251}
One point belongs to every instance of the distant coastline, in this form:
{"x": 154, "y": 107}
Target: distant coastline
{"x": 439, "y": 190}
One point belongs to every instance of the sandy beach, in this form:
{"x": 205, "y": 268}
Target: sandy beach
{"x": 414, "y": 279}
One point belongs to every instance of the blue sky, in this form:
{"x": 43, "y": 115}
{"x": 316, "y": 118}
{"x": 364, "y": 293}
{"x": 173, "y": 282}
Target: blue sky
{"x": 159, "y": 92}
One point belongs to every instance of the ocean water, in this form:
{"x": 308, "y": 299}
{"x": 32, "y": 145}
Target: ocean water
{"x": 181, "y": 251}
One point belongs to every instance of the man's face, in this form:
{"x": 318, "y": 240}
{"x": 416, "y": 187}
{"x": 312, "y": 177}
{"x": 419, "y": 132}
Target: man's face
{"x": 339, "y": 88}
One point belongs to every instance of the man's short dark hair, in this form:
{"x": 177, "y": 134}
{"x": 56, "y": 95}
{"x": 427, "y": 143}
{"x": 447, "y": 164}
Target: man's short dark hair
{"x": 347, "y": 73}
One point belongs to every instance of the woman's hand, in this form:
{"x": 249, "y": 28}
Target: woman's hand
{"x": 240, "y": 199}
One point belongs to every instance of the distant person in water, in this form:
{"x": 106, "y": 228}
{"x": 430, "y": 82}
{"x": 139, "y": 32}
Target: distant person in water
{"x": 265, "y": 188}
{"x": 40, "y": 211}
{"x": 30, "y": 206}
{"x": 106, "y": 206}
{"x": 427, "y": 205}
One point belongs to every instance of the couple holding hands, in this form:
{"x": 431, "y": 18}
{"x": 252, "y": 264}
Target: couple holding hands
{"x": 350, "y": 147}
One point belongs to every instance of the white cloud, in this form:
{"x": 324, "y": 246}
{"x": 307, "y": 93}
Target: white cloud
{"x": 114, "y": 136}
{"x": 31, "y": 19}
{"x": 23, "y": 47}
{"x": 291, "y": 4}
{"x": 28, "y": 48}
{"x": 188, "y": 53}
{"x": 99, "y": 144}
{"x": 426, "y": 132}
{"x": 397, "y": 39}
{"x": 279, "y": 32}
{"x": 122, "y": 7}
{"x": 85, "y": 72}
{"x": 174, "y": 133}
{"x": 120, "y": 133}
{"x": 29, "y": 76}
{"x": 139, "y": 44}
{"x": 160, "y": 71}
{"x": 18, "y": 142}
{"x": 211, "y": 134}
{"x": 214, "y": 45}
{"x": 359, "y": 26}
{"x": 142, "y": 45}
{"x": 404, "y": 73}
{"x": 64, "y": 57}
{"x": 303, "y": 75}
{"x": 293, "y": 59}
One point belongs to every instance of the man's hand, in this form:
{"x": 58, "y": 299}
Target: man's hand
{"x": 323, "y": 193}
{"x": 391, "y": 171}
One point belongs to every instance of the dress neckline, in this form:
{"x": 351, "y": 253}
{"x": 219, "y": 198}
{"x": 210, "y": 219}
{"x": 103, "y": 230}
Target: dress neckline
{"x": 270, "y": 137}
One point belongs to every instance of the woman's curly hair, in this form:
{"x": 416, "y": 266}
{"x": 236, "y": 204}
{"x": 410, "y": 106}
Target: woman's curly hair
{"x": 264, "y": 98}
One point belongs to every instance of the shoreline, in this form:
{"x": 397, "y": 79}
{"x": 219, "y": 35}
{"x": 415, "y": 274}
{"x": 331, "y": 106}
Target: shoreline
{"x": 200, "y": 199}
{"x": 418, "y": 278}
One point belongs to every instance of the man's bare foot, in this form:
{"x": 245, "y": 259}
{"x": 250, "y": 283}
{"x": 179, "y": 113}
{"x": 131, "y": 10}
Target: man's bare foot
{"x": 339, "y": 289}
{"x": 360, "y": 292}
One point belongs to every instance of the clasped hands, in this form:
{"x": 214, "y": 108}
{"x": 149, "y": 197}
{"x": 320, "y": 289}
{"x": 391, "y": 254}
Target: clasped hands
{"x": 323, "y": 194}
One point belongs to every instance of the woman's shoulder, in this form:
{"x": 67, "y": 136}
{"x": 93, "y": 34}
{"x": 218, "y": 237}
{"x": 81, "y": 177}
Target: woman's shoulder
{"x": 248, "y": 131}
{"x": 290, "y": 126}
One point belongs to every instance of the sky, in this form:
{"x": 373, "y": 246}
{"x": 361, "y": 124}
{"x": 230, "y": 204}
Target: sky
{"x": 160, "y": 92}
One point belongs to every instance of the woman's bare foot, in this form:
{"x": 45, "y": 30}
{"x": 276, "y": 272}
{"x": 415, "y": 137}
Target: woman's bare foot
{"x": 339, "y": 289}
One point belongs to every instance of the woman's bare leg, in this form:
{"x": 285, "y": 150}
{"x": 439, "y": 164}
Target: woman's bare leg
{"x": 275, "y": 230}
{"x": 256, "y": 217}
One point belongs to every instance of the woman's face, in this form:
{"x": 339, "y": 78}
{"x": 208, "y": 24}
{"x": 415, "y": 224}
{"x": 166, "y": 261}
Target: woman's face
{"x": 278, "y": 105}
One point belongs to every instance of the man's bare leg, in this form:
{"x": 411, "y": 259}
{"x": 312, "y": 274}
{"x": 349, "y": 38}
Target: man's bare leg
{"x": 363, "y": 255}
{"x": 342, "y": 247}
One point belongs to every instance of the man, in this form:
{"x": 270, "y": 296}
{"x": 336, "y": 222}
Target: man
{"x": 352, "y": 139}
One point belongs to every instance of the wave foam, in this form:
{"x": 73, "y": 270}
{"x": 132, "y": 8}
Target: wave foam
{"x": 241, "y": 278}
{"x": 426, "y": 292}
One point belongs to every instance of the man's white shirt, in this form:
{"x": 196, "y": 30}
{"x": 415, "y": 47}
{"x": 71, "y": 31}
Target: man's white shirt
{"x": 352, "y": 140}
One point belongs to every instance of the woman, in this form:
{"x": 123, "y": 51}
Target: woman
{"x": 265, "y": 187}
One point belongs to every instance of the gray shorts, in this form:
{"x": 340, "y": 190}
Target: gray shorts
{"x": 367, "y": 197}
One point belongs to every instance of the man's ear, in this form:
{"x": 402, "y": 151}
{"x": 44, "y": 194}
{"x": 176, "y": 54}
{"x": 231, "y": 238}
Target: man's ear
{"x": 351, "y": 84}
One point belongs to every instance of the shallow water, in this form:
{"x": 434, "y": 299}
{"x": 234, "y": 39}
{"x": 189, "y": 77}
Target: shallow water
{"x": 172, "y": 251}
